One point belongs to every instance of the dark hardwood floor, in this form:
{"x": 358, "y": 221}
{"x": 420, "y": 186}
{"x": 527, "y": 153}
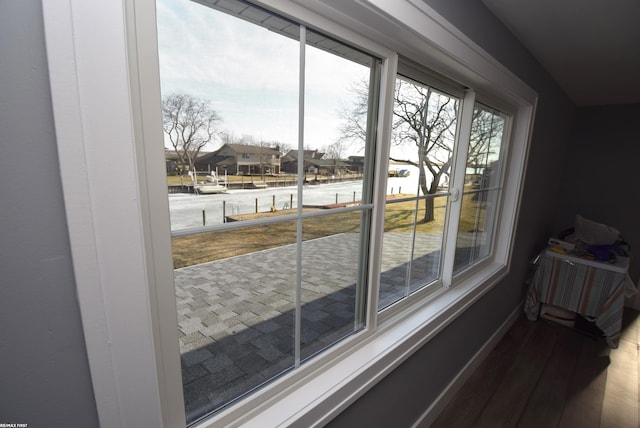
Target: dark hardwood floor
{"x": 545, "y": 375}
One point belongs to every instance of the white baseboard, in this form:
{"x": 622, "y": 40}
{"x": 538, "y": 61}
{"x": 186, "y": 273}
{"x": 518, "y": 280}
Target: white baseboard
{"x": 430, "y": 415}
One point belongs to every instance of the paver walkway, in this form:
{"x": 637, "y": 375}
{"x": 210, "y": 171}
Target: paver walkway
{"x": 236, "y": 316}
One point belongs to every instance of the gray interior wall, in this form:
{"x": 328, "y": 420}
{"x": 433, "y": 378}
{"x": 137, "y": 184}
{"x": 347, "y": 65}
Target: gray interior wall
{"x": 602, "y": 171}
{"x": 406, "y": 393}
{"x": 44, "y": 375}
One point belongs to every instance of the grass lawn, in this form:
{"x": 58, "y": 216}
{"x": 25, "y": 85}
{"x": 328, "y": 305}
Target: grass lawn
{"x": 204, "y": 247}
{"x": 185, "y": 179}
{"x": 399, "y": 217}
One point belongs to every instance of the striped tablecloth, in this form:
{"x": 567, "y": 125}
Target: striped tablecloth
{"x": 592, "y": 289}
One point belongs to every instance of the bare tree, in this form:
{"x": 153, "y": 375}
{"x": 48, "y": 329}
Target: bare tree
{"x": 425, "y": 119}
{"x": 337, "y": 150}
{"x": 354, "y": 117}
{"x": 284, "y": 148}
{"x": 486, "y": 128}
{"x": 227, "y": 137}
{"x": 190, "y": 123}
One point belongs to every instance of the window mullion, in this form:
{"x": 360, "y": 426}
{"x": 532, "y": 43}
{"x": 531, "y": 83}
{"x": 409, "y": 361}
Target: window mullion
{"x": 457, "y": 189}
{"x": 383, "y": 143}
{"x": 298, "y": 299}
{"x": 373, "y": 116}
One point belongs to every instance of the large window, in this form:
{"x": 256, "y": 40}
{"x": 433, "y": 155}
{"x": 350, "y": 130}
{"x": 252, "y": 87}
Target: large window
{"x": 304, "y": 198}
{"x": 271, "y": 129}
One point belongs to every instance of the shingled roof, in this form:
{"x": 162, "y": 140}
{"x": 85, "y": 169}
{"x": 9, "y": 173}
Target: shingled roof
{"x": 247, "y": 148}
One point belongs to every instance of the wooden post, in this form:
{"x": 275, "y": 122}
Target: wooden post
{"x": 256, "y": 205}
{"x": 224, "y": 211}
{"x": 204, "y": 218}
{"x": 291, "y": 201}
{"x": 336, "y": 198}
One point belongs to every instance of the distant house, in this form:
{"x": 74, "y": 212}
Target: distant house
{"x": 172, "y": 162}
{"x": 312, "y": 161}
{"x": 331, "y": 166}
{"x": 315, "y": 163}
{"x": 241, "y": 159}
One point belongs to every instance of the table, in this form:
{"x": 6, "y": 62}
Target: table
{"x": 591, "y": 288}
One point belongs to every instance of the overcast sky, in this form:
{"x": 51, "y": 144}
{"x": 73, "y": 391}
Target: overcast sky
{"x": 250, "y": 75}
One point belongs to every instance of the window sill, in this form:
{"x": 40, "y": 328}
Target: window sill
{"x": 325, "y": 389}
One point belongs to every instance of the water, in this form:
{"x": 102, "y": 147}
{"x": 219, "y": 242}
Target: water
{"x": 186, "y": 209}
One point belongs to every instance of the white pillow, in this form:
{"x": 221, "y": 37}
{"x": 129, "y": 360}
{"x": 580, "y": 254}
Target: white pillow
{"x": 593, "y": 233}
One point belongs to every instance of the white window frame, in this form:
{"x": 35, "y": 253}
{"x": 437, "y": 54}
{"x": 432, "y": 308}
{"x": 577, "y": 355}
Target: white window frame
{"x": 103, "y": 85}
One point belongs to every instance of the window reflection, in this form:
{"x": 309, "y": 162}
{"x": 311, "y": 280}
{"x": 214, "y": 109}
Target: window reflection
{"x": 482, "y": 187}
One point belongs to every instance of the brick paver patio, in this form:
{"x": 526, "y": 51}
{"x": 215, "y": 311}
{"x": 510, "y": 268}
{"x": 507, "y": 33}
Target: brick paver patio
{"x": 236, "y": 316}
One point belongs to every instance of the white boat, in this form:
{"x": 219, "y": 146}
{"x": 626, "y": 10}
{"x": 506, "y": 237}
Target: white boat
{"x": 210, "y": 188}
{"x": 212, "y": 185}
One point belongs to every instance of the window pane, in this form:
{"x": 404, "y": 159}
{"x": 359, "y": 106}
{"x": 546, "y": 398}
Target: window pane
{"x": 424, "y": 131}
{"x": 411, "y": 249}
{"x": 264, "y": 280}
{"x": 237, "y": 89}
{"x": 425, "y": 264}
{"x": 331, "y": 256}
{"x": 482, "y": 187}
{"x": 422, "y": 152}
{"x": 235, "y": 312}
{"x": 336, "y": 78}
{"x": 396, "y": 251}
